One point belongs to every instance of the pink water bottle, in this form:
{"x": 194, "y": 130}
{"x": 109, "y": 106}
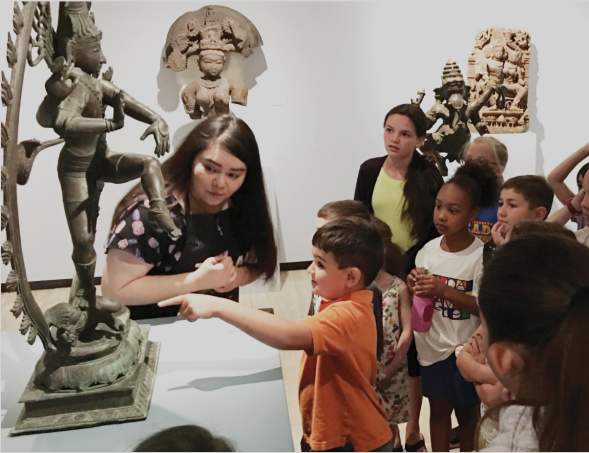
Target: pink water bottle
{"x": 422, "y": 311}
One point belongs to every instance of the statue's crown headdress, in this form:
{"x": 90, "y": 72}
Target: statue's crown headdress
{"x": 212, "y": 34}
{"x": 75, "y": 26}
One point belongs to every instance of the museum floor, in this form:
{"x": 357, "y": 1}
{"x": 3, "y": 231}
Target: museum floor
{"x": 290, "y": 302}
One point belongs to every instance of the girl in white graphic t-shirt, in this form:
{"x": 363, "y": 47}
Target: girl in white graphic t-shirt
{"x": 445, "y": 272}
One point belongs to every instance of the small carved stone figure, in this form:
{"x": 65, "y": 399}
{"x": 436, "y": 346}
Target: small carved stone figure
{"x": 452, "y": 107}
{"x": 211, "y": 93}
{"x": 498, "y": 71}
{"x": 75, "y": 108}
{"x": 208, "y": 35}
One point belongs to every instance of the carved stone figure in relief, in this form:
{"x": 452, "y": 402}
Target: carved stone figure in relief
{"x": 498, "y": 71}
{"x": 453, "y": 108}
{"x": 208, "y": 35}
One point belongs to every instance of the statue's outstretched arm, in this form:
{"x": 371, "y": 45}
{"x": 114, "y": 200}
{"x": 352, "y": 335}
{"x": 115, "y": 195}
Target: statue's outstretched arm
{"x": 139, "y": 111}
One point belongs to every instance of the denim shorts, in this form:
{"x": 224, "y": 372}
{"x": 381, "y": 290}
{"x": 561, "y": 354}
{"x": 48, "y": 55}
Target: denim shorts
{"x": 443, "y": 381}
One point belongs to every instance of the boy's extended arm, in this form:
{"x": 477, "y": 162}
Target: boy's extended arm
{"x": 267, "y": 328}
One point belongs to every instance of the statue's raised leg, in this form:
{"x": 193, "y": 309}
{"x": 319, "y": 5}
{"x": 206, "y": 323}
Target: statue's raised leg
{"x": 125, "y": 167}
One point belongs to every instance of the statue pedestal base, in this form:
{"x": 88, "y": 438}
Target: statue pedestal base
{"x": 125, "y": 400}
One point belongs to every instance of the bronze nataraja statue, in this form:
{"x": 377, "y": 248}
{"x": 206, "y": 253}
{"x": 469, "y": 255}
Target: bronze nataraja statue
{"x": 75, "y": 108}
{"x": 98, "y": 365}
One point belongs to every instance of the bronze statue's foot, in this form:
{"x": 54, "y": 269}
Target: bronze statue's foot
{"x": 80, "y": 301}
{"x": 84, "y": 299}
{"x": 108, "y": 305}
{"x": 160, "y": 216}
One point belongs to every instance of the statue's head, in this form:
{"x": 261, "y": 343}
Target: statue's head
{"x": 497, "y": 51}
{"x": 211, "y": 62}
{"x": 77, "y": 38}
{"x": 457, "y": 101}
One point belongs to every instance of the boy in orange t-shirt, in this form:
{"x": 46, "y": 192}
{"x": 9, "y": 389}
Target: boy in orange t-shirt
{"x": 339, "y": 407}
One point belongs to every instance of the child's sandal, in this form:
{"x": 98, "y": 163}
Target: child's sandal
{"x": 417, "y": 446}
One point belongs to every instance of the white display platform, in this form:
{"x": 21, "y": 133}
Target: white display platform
{"x": 209, "y": 374}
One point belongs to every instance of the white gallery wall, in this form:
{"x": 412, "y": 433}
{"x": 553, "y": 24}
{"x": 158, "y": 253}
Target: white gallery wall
{"x": 325, "y": 77}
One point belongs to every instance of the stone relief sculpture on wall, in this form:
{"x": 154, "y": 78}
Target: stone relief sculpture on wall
{"x": 206, "y": 37}
{"x": 98, "y": 366}
{"x": 456, "y": 112}
{"x": 498, "y": 69}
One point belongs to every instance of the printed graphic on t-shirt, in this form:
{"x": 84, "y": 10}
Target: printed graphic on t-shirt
{"x": 444, "y": 306}
{"x": 481, "y": 229}
{"x": 481, "y": 226}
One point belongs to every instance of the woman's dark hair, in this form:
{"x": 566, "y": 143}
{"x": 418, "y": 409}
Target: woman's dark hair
{"x": 251, "y": 215}
{"x": 414, "y": 113}
{"x": 184, "y": 438}
{"x": 478, "y": 181}
{"x": 422, "y": 180}
{"x": 534, "y": 293}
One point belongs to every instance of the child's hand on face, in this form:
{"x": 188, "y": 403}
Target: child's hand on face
{"x": 578, "y": 199}
{"x": 474, "y": 349}
{"x": 499, "y": 234}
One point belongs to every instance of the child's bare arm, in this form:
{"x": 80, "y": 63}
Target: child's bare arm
{"x": 557, "y": 176}
{"x": 267, "y": 328}
{"x": 405, "y": 316}
{"x": 492, "y": 394}
{"x": 406, "y": 336}
{"x": 563, "y": 215}
{"x": 472, "y": 370}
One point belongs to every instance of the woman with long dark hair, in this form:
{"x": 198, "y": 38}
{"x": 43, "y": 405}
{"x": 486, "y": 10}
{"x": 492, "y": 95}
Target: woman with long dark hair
{"x": 216, "y": 195}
